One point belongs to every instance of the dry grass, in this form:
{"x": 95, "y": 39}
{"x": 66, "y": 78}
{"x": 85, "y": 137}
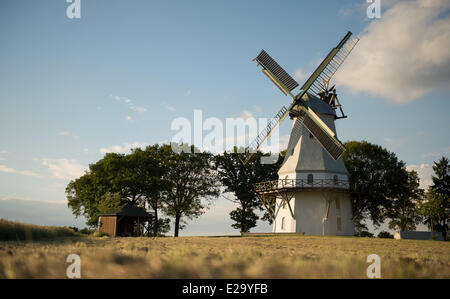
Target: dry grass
{"x": 225, "y": 257}
{"x": 11, "y": 230}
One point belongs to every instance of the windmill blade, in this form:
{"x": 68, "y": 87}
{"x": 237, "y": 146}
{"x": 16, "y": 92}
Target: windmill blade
{"x": 276, "y": 73}
{"x": 321, "y": 132}
{"x": 265, "y": 134}
{"x": 317, "y": 83}
{"x": 319, "y": 80}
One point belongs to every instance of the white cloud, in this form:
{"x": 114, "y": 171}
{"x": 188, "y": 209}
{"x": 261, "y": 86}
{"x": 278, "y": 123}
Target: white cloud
{"x": 167, "y": 106}
{"x": 138, "y": 108}
{"x": 395, "y": 143}
{"x": 3, "y": 152}
{"x": 425, "y": 172}
{"x": 4, "y": 168}
{"x": 246, "y": 115}
{"x": 64, "y": 169}
{"x": 258, "y": 109}
{"x": 64, "y": 133}
{"x": 300, "y": 75}
{"x": 437, "y": 154}
{"x": 404, "y": 55}
{"x": 130, "y": 103}
{"x": 68, "y": 133}
{"x": 120, "y": 149}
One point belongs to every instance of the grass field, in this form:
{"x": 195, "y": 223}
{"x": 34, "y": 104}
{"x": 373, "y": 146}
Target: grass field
{"x": 225, "y": 257}
{"x": 13, "y": 231}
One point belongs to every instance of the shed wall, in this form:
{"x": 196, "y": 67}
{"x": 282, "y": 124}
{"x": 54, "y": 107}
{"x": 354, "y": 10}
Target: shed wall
{"x": 108, "y": 225}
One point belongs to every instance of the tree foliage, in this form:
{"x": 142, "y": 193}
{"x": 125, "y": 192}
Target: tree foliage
{"x": 116, "y": 180}
{"x": 239, "y": 180}
{"x": 377, "y": 178}
{"x": 192, "y": 184}
{"x": 436, "y": 207}
{"x": 110, "y": 203}
{"x": 403, "y": 213}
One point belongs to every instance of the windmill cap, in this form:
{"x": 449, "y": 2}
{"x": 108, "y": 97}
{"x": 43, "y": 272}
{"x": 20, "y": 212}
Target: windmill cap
{"x": 318, "y": 105}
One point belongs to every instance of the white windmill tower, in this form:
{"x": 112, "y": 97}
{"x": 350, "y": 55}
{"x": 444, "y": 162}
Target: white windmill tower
{"x": 311, "y": 194}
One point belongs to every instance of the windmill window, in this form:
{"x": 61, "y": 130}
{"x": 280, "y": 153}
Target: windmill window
{"x": 335, "y": 179}
{"x": 338, "y": 224}
{"x": 283, "y": 226}
{"x": 338, "y": 204}
{"x": 311, "y": 136}
{"x": 310, "y": 178}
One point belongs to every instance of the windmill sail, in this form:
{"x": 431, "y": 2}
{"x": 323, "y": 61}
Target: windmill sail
{"x": 316, "y": 84}
{"x": 265, "y": 134}
{"x": 321, "y": 132}
{"x": 276, "y": 73}
{"x": 319, "y": 80}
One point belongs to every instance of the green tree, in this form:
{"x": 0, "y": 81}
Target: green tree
{"x": 240, "y": 180}
{"x": 115, "y": 173}
{"x": 192, "y": 184}
{"x": 437, "y": 207}
{"x": 403, "y": 212}
{"x": 132, "y": 178}
{"x": 149, "y": 164}
{"x": 432, "y": 210}
{"x": 110, "y": 203}
{"x": 376, "y": 176}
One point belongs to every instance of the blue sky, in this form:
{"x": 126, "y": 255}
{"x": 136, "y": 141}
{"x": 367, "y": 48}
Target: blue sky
{"x": 71, "y": 89}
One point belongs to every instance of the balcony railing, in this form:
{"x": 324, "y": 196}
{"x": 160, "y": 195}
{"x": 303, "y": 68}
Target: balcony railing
{"x": 301, "y": 183}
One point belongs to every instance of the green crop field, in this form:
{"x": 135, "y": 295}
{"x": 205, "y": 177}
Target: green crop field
{"x": 225, "y": 257}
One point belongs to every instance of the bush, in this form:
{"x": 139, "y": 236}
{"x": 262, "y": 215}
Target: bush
{"x": 74, "y": 228}
{"x": 99, "y": 234}
{"x": 86, "y": 231}
{"x": 385, "y": 235}
{"x": 10, "y": 230}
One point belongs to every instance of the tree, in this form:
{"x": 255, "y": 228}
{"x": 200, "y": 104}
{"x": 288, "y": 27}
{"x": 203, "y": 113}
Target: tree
{"x": 115, "y": 174}
{"x": 192, "y": 184}
{"x": 431, "y": 208}
{"x": 130, "y": 178}
{"x": 436, "y": 209}
{"x": 404, "y": 213}
{"x": 149, "y": 163}
{"x": 376, "y": 176}
{"x": 240, "y": 180}
{"x": 110, "y": 203}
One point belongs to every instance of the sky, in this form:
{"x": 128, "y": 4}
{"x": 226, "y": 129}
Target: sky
{"x": 116, "y": 78}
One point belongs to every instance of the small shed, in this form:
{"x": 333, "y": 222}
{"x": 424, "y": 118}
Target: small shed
{"x": 128, "y": 222}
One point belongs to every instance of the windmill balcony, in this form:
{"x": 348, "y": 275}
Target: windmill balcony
{"x": 301, "y": 184}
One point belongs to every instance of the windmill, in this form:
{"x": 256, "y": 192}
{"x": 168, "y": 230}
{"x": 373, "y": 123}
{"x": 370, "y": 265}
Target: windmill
{"x": 313, "y": 183}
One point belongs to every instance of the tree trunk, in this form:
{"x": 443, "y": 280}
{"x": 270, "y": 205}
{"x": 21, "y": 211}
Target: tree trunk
{"x": 155, "y": 227}
{"x": 177, "y": 224}
{"x": 243, "y": 228}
